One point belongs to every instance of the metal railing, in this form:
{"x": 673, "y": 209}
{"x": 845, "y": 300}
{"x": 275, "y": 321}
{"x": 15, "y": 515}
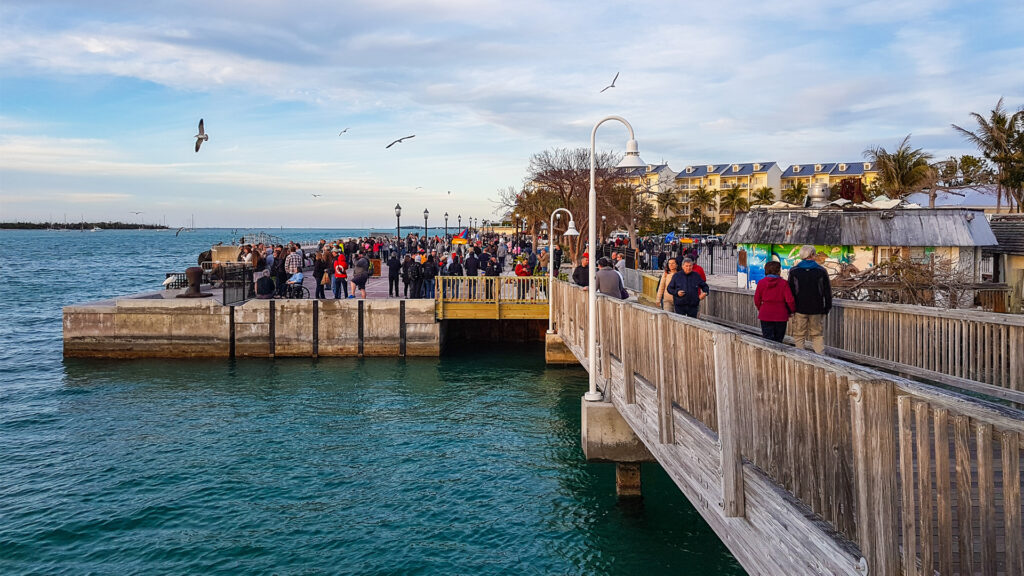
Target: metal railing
{"x": 237, "y": 284}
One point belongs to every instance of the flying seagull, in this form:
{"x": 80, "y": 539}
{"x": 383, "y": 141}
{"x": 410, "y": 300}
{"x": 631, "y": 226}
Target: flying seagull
{"x": 399, "y": 140}
{"x": 418, "y": 187}
{"x": 316, "y": 195}
{"x": 136, "y": 213}
{"x": 202, "y": 136}
{"x": 179, "y": 231}
{"x": 612, "y": 85}
{"x": 343, "y": 131}
{"x": 449, "y": 192}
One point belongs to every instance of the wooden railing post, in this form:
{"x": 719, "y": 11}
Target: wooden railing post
{"x": 626, "y": 355}
{"x": 666, "y": 395}
{"x": 727, "y": 401}
{"x": 872, "y": 405}
{"x": 603, "y": 326}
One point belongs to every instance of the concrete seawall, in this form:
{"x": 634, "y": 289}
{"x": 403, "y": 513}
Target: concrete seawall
{"x": 154, "y": 326}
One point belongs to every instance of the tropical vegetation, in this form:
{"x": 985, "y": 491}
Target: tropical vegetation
{"x": 902, "y": 171}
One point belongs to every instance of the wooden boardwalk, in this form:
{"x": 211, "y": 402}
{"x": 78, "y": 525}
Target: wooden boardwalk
{"x": 806, "y": 464}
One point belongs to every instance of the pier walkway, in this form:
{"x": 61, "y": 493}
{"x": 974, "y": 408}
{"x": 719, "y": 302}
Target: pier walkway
{"x": 805, "y": 464}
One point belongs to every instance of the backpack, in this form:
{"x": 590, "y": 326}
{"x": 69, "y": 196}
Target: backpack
{"x": 416, "y": 271}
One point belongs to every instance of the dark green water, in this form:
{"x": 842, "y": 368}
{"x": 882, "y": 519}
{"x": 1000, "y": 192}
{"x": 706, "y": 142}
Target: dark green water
{"x": 470, "y": 464}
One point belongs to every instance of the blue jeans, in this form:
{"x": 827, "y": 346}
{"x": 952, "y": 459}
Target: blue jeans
{"x": 428, "y": 288}
{"x": 339, "y": 287}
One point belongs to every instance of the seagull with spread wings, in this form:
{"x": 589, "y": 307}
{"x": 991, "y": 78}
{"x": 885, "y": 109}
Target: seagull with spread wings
{"x": 316, "y": 195}
{"x": 399, "y": 140}
{"x": 343, "y": 131}
{"x": 202, "y": 136}
{"x": 612, "y": 85}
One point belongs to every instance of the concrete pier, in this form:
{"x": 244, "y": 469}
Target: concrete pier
{"x": 158, "y": 325}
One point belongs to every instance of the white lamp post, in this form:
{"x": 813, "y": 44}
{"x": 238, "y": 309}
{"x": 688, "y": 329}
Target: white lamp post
{"x": 551, "y": 256}
{"x": 630, "y": 160}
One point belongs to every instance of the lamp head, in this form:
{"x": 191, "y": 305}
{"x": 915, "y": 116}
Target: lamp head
{"x": 426, "y": 212}
{"x": 398, "y": 209}
{"x": 445, "y": 215}
{"x": 572, "y": 230}
{"x": 632, "y": 157}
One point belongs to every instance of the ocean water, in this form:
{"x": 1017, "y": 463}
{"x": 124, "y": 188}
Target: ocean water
{"x": 468, "y": 464}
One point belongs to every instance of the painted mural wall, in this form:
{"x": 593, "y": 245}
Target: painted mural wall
{"x": 751, "y": 270}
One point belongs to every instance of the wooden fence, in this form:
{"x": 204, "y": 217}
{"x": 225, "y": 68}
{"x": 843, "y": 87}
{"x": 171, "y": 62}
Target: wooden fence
{"x": 978, "y": 351}
{"x": 912, "y": 477}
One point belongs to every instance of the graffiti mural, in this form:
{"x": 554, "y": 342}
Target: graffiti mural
{"x": 788, "y": 256}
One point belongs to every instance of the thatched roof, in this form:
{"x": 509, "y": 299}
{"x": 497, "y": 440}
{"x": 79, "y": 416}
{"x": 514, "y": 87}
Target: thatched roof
{"x": 916, "y": 227}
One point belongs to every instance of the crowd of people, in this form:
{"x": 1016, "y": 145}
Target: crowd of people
{"x": 411, "y": 264}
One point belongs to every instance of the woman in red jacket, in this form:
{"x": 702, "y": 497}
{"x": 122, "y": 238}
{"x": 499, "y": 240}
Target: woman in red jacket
{"x": 774, "y": 302}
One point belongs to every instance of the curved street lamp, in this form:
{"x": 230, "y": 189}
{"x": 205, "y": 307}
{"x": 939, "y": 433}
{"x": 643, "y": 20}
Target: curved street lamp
{"x": 571, "y": 231}
{"x": 630, "y": 160}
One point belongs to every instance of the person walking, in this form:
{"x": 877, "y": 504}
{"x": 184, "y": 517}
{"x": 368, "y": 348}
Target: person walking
{"x": 360, "y": 274}
{"x": 492, "y": 270}
{"x": 407, "y": 275}
{"x": 607, "y": 281}
{"x": 430, "y": 271}
{"x": 394, "y": 270}
{"x": 687, "y": 289}
{"x": 340, "y": 277}
{"x": 501, "y": 254}
{"x": 774, "y": 302}
{"x": 580, "y": 275}
{"x": 320, "y": 274}
{"x": 666, "y": 277}
{"x": 812, "y": 292}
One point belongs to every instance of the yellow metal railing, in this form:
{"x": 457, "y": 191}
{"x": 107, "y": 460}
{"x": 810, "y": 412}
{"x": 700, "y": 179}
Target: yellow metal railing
{"x": 491, "y": 297}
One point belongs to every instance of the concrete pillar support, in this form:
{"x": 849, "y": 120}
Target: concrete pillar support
{"x": 556, "y": 352}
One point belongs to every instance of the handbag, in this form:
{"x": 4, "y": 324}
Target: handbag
{"x": 325, "y": 280}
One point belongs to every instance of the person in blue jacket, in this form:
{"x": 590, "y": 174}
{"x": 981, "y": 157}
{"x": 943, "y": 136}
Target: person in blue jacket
{"x": 687, "y": 289}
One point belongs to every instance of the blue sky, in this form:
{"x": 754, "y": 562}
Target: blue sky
{"x": 99, "y": 100}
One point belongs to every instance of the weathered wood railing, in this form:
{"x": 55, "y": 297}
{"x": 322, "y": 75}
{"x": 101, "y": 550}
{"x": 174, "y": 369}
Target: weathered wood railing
{"x": 730, "y": 415}
{"x": 978, "y": 351}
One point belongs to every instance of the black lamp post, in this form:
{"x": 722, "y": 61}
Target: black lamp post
{"x": 398, "y": 221}
{"x": 515, "y": 235}
{"x": 426, "y": 213}
{"x": 460, "y": 221}
{"x": 446, "y": 227}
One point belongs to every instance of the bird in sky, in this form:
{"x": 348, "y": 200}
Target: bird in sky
{"x": 316, "y": 195}
{"x": 399, "y": 140}
{"x": 202, "y": 136}
{"x": 612, "y": 85}
{"x": 136, "y": 212}
{"x": 449, "y": 192}
{"x": 343, "y": 131}
{"x": 418, "y": 187}
{"x": 179, "y": 231}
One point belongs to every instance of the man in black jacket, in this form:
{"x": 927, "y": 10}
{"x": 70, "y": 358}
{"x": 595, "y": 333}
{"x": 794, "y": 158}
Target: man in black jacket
{"x": 687, "y": 289}
{"x": 813, "y": 294}
{"x": 394, "y": 270}
{"x": 472, "y": 266}
{"x": 580, "y": 275}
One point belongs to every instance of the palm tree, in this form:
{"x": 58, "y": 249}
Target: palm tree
{"x": 668, "y": 202}
{"x": 995, "y": 139}
{"x": 903, "y": 171}
{"x": 734, "y": 200}
{"x": 764, "y": 195}
{"x": 795, "y": 194}
{"x": 700, "y": 200}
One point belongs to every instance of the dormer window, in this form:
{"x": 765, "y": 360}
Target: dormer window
{"x": 796, "y": 169}
{"x": 817, "y": 167}
{"x": 842, "y": 167}
{"x": 689, "y": 169}
{"x": 711, "y": 167}
{"x": 867, "y": 165}
{"x": 735, "y": 167}
{"x": 757, "y": 167}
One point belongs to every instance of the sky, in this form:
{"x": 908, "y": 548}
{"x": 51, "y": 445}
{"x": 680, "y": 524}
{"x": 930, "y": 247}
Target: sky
{"x": 100, "y": 99}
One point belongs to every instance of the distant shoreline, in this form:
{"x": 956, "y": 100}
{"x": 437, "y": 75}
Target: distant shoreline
{"x": 78, "y": 226}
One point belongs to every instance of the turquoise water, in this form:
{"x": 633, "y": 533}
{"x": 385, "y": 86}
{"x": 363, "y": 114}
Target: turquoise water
{"x": 465, "y": 465}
